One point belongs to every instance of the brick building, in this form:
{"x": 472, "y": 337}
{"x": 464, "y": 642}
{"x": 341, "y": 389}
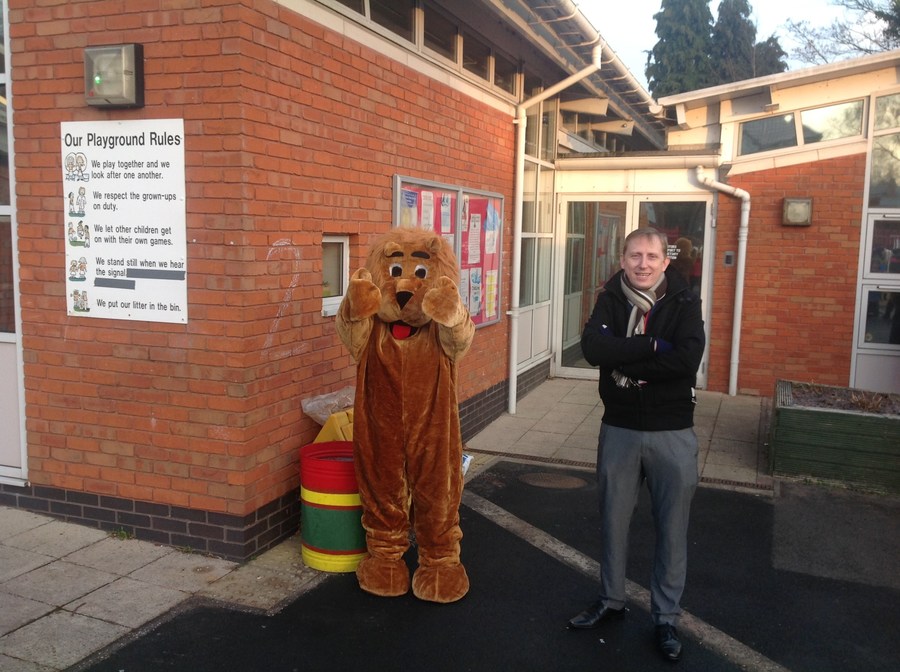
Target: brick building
{"x": 284, "y": 135}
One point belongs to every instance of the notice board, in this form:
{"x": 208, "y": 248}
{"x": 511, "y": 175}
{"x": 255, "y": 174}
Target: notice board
{"x": 124, "y": 213}
{"x": 472, "y": 222}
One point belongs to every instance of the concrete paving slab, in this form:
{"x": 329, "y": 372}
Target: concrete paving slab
{"x": 128, "y": 602}
{"x": 7, "y": 663}
{"x": 284, "y": 557}
{"x": 119, "y": 556}
{"x": 582, "y": 442}
{"x": 255, "y": 587}
{"x": 56, "y": 538}
{"x": 733, "y": 453}
{"x": 575, "y": 453}
{"x": 15, "y": 561}
{"x": 16, "y": 521}
{"x": 541, "y": 443}
{"x": 188, "y": 572}
{"x": 16, "y": 611}
{"x": 590, "y": 426}
{"x": 502, "y": 434}
{"x": 58, "y": 583}
{"x": 740, "y": 426}
{"x": 583, "y": 394}
{"x": 732, "y": 474}
{"x": 59, "y": 640}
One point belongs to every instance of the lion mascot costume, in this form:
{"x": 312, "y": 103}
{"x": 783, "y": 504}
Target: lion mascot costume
{"x": 406, "y": 327}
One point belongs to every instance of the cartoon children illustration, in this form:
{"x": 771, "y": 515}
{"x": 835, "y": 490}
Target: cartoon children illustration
{"x": 70, "y": 166}
{"x": 80, "y": 163}
{"x": 80, "y": 202}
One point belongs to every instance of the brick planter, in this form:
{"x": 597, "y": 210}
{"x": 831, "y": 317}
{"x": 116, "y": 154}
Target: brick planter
{"x": 842, "y": 445}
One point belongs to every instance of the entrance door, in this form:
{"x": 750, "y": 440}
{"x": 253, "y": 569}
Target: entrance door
{"x": 594, "y": 232}
{"x": 876, "y": 361}
{"x": 11, "y": 445}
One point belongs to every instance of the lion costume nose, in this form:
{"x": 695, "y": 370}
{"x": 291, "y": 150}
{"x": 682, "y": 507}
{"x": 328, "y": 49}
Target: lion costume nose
{"x": 403, "y": 298}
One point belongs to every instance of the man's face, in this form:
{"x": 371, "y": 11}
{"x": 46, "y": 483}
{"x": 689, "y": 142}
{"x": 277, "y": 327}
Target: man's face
{"x": 644, "y": 261}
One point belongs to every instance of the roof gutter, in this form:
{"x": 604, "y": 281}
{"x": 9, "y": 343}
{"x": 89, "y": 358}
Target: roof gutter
{"x": 521, "y": 122}
{"x": 743, "y": 234}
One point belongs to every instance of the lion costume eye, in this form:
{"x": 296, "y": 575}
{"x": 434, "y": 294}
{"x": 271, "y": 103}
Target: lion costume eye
{"x": 421, "y": 272}
{"x": 396, "y": 270}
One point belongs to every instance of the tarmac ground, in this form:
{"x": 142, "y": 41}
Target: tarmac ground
{"x": 782, "y": 575}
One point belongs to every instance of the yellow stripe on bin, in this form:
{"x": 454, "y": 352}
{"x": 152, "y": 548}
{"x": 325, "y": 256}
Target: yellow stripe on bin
{"x": 329, "y": 498}
{"x": 330, "y": 562}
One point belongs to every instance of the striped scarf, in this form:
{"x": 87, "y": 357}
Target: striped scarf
{"x": 642, "y": 302}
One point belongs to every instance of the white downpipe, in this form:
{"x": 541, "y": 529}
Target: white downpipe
{"x": 518, "y": 197}
{"x": 743, "y": 231}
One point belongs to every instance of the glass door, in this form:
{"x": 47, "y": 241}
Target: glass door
{"x": 594, "y": 233}
{"x": 877, "y": 347}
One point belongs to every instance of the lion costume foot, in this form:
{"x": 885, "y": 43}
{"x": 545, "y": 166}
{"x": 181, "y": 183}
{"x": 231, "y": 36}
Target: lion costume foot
{"x": 385, "y": 578}
{"x": 440, "y": 583}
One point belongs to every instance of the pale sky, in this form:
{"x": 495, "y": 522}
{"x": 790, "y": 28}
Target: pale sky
{"x": 629, "y": 28}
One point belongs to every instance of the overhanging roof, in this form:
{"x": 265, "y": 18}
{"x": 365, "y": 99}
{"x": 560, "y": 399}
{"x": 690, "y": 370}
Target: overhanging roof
{"x": 783, "y": 80}
{"x": 564, "y": 34}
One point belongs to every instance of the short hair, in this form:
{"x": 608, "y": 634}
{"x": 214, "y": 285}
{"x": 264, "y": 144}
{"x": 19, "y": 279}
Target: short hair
{"x": 648, "y": 232}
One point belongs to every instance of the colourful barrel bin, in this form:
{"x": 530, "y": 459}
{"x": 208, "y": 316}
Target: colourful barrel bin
{"x": 331, "y": 533}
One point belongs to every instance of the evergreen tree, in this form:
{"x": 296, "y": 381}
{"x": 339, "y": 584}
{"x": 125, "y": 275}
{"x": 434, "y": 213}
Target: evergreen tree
{"x": 687, "y": 57}
{"x": 680, "y": 60}
{"x": 733, "y": 42}
{"x": 769, "y": 57}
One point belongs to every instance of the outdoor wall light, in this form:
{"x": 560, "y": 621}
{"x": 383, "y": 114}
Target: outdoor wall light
{"x": 797, "y": 212}
{"x": 114, "y": 76}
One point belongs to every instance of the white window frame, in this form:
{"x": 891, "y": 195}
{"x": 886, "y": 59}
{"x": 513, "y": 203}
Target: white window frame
{"x": 330, "y": 304}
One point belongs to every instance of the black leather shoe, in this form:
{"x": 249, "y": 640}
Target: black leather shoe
{"x": 590, "y": 617}
{"x": 667, "y": 642}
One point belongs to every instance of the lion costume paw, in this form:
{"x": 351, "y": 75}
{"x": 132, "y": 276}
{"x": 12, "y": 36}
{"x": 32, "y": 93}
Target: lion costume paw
{"x": 383, "y": 577}
{"x": 441, "y": 583}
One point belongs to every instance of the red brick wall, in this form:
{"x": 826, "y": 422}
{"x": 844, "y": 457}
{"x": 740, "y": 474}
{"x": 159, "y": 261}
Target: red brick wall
{"x": 800, "y": 282}
{"x": 292, "y": 132}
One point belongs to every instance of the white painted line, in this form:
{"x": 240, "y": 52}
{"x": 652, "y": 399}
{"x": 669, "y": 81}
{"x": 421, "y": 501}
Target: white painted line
{"x": 710, "y": 637}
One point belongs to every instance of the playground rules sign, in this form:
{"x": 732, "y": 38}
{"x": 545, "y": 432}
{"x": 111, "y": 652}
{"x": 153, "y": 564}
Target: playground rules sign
{"x": 124, "y": 213}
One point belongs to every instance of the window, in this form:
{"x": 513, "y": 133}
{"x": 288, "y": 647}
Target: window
{"x": 440, "y": 34}
{"x": 335, "y": 272}
{"x": 833, "y": 122}
{"x": 476, "y": 57}
{"x": 355, "y": 5}
{"x": 7, "y": 302}
{"x": 763, "y": 135}
{"x": 396, "y": 16}
{"x": 537, "y": 235}
{"x": 505, "y": 74}
{"x": 884, "y": 178}
{"x": 820, "y": 124}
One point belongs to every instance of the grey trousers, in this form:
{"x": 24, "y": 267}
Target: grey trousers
{"x": 668, "y": 462}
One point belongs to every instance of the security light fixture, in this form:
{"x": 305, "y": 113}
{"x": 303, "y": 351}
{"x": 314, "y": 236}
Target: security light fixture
{"x": 797, "y": 212}
{"x": 114, "y": 76}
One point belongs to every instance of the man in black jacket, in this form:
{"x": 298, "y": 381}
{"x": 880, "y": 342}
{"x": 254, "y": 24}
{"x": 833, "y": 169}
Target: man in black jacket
{"x": 646, "y": 335}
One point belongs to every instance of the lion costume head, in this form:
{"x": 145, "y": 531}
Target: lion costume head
{"x": 404, "y": 265}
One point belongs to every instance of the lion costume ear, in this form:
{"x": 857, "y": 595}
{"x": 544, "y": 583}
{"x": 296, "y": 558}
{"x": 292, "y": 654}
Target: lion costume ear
{"x": 390, "y": 248}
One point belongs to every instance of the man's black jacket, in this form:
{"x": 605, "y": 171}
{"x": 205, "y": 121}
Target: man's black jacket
{"x": 665, "y": 359}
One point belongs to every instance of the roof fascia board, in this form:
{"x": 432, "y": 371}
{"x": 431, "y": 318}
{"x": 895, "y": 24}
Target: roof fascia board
{"x": 783, "y": 80}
